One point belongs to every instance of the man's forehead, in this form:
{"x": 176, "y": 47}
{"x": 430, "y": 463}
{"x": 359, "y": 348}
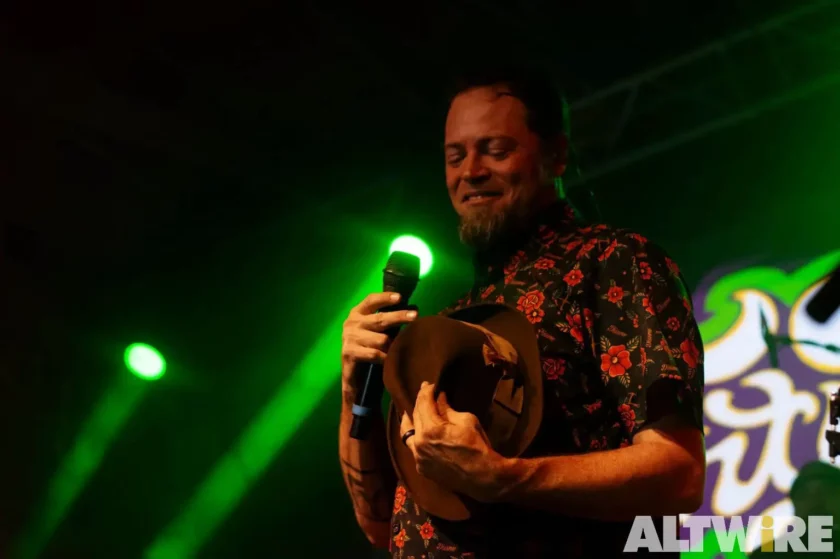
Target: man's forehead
{"x": 484, "y": 112}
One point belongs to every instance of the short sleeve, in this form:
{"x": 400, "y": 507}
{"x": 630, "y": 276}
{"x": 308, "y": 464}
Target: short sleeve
{"x": 646, "y": 339}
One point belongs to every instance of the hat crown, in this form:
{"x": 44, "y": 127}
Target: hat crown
{"x": 485, "y": 359}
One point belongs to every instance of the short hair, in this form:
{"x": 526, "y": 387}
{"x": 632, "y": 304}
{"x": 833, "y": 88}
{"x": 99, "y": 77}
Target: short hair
{"x": 817, "y": 471}
{"x": 547, "y": 111}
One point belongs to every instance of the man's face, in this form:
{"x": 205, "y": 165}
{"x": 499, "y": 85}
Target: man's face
{"x": 497, "y": 173}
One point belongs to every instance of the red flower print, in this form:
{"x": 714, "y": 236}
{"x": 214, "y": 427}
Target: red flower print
{"x": 400, "y": 539}
{"x": 616, "y": 361}
{"x": 427, "y": 531}
{"x": 645, "y": 271}
{"x": 547, "y": 236}
{"x": 673, "y": 323}
{"x": 587, "y": 316}
{"x": 690, "y": 353}
{"x": 608, "y": 251}
{"x": 615, "y": 294}
{"x": 590, "y": 408}
{"x": 486, "y": 293}
{"x": 628, "y": 416}
{"x": 500, "y": 299}
{"x": 574, "y": 277}
{"x": 687, "y": 304}
{"x": 575, "y": 328}
{"x": 535, "y": 315}
{"x": 672, "y": 266}
{"x": 573, "y": 245}
{"x": 513, "y": 263}
{"x": 637, "y": 237}
{"x": 553, "y": 368}
{"x": 648, "y": 306}
{"x": 399, "y": 499}
{"x": 544, "y": 264}
{"x": 530, "y": 301}
{"x": 587, "y": 248}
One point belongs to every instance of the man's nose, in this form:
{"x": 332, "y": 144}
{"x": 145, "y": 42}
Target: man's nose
{"x": 474, "y": 171}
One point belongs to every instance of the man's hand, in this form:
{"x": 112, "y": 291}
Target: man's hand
{"x": 363, "y": 337}
{"x": 451, "y": 448}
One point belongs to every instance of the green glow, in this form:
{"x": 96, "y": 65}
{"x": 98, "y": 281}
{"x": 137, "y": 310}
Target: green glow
{"x": 725, "y": 309}
{"x": 240, "y": 467}
{"x": 145, "y": 361}
{"x": 414, "y": 245}
{"x": 83, "y": 460}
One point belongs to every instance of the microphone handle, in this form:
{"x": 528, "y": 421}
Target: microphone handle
{"x": 369, "y": 396}
{"x": 370, "y": 392}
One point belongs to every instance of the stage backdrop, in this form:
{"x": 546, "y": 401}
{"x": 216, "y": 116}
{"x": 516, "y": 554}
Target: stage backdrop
{"x": 763, "y": 422}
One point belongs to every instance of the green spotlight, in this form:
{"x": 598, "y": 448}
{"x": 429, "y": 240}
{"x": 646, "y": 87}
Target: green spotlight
{"x": 145, "y": 361}
{"x": 96, "y": 434}
{"x": 415, "y": 246}
{"x": 295, "y": 400}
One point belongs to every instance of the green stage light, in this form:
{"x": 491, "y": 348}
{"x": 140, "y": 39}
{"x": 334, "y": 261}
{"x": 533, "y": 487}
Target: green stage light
{"x": 415, "y": 246}
{"x": 145, "y": 361}
{"x": 293, "y": 402}
{"x": 96, "y": 434}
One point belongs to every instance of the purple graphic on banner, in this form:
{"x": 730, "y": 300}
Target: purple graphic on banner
{"x": 762, "y": 422}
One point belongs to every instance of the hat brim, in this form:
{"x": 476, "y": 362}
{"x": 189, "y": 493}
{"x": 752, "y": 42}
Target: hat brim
{"x": 419, "y": 354}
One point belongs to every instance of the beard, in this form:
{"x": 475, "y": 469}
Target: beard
{"x": 487, "y": 228}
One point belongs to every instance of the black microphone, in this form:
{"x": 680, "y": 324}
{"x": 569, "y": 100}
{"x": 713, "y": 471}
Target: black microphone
{"x": 827, "y": 300}
{"x": 401, "y": 274}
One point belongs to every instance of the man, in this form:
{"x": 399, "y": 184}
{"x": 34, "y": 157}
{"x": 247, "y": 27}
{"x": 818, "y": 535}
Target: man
{"x": 621, "y": 354}
{"x": 815, "y": 492}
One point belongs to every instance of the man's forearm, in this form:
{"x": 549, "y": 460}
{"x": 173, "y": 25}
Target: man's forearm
{"x": 614, "y": 485}
{"x": 368, "y": 474}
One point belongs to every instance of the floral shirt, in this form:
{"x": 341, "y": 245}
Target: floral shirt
{"x": 612, "y": 317}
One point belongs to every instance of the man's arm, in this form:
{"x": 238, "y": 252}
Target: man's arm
{"x": 646, "y": 341}
{"x": 368, "y": 474}
{"x": 661, "y": 473}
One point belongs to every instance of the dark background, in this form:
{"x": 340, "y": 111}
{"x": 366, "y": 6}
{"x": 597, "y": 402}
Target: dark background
{"x": 207, "y": 177}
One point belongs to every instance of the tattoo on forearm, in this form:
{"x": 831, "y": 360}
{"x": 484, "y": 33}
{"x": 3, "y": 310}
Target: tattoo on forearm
{"x": 371, "y": 498}
{"x": 357, "y": 470}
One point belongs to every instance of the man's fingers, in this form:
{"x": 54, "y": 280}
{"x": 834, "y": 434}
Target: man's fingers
{"x": 380, "y": 322}
{"x": 445, "y": 409}
{"x": 407, "y": 425}
{"x": 426, "y": 414}
{"x": 376, "y": 301}
{"x": 366, "y": 338}
{"x": 359, "y": 354}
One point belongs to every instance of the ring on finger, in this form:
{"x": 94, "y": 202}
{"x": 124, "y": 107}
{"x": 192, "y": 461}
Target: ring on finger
{"x": 407, "y": 435}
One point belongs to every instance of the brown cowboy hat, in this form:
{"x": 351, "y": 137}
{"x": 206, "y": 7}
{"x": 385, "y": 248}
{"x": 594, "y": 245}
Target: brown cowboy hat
{"x": 485, "y": 358}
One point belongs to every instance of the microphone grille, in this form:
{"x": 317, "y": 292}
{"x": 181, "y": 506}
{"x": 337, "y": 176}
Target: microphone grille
{"x": 401, "y": 273}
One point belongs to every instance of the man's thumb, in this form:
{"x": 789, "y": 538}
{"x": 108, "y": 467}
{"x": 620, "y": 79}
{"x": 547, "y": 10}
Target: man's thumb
{"x": 445, "y": 409}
